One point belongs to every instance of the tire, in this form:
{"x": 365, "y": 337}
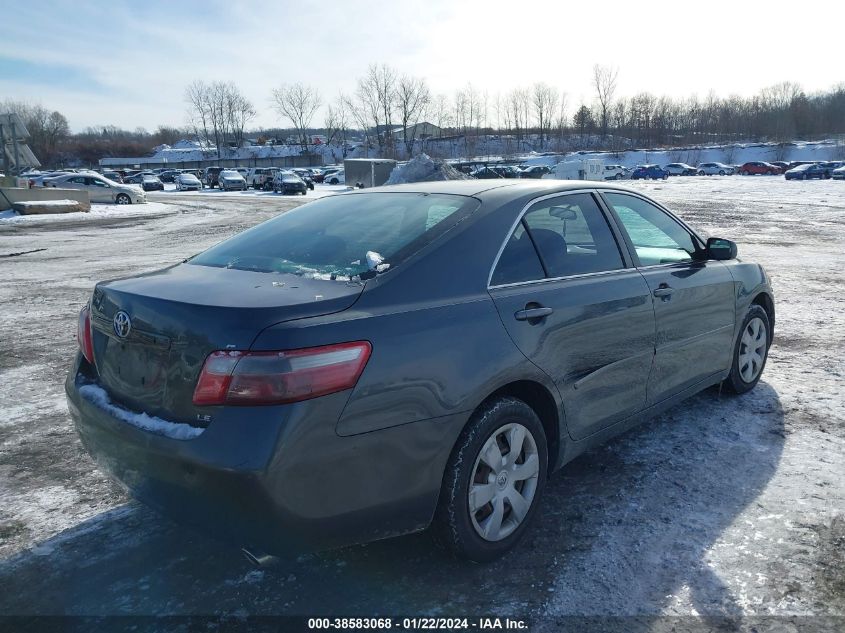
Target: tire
{"x": 488, "y": 432}
{"x": 743, "y": 173}
{"x": 618, "y": 177}
{"x": 751, "y": 351}
{"x": 122, "y": 198}
{"x": 721, "y": 172}
{"x": 665, "y": 176}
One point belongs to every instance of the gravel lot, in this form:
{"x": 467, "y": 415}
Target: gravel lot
{"x": 721, "y": 507}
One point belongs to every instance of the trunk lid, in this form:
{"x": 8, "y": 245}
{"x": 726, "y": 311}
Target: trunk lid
{"x": 179, "y": 315}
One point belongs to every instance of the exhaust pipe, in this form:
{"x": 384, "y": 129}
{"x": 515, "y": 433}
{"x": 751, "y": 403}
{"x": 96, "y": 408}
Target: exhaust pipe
{"x": 259, "y": 558}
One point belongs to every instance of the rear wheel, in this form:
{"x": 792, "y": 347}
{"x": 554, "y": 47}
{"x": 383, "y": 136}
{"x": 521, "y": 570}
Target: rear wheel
{"x": 721, "y": 172}
{"x": 493, "y": 482}
{"x": 618, "y": 177}
{"x": 750, "y": 351}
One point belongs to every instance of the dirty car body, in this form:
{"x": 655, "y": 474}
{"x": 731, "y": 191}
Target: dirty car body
{"x": 425, "y": 333}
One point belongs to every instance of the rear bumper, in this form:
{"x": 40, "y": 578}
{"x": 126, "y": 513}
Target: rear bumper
{"x": 277, "y": 478}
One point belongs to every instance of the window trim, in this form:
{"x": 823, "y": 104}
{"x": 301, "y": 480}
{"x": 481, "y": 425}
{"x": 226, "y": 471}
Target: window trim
{"x": 627, "y": 261}
{"x": 697, "y": 241}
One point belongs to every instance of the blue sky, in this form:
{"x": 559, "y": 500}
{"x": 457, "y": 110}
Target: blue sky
{"x": 127, "y": 63}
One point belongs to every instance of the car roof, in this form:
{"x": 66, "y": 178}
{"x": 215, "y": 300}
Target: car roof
{"x": 477, "y": 187}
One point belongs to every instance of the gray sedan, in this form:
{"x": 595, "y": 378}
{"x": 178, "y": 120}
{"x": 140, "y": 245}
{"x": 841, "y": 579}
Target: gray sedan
{"x": 99, "y": 188}
{"x": 378, "y": 362}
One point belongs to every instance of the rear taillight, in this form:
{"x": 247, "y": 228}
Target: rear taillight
{"x": 254, "y": 378}
{"x": 83, "y": 334}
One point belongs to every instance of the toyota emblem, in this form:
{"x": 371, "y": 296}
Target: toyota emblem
{"x": 122, "y": 324}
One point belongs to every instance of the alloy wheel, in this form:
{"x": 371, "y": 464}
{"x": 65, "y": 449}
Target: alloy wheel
{"x": 504, "y": 482}
{"x": 752, "y": 350}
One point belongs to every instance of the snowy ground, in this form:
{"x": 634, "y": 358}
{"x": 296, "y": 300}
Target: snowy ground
{"x": 722, "y": 507}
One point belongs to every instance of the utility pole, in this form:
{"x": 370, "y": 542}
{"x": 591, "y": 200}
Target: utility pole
{"x": 3, "y": 151}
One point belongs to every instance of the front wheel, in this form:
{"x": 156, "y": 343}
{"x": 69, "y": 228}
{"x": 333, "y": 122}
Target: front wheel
{"x": 493, "y": 482}
{"x": 122, "y": 198}
{"x": 665, "y": 176}
{"x": 750, "y": 351}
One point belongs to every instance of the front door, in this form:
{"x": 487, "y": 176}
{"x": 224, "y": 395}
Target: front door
{"x": 694, "y": 302}
{"x": 571, "y": 305}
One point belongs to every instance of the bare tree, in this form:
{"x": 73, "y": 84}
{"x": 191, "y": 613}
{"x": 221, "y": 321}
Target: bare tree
{"x": 412, "y": 99}
{"x": 337, "y": 125}
{"x": 298, "y": 103}
{"x": 604, "y": 82}
{"x": 544, "y": 100}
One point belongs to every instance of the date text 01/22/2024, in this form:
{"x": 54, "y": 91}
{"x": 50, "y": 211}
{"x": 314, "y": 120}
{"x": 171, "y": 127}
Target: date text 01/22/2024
{"x": 418, "y": 624}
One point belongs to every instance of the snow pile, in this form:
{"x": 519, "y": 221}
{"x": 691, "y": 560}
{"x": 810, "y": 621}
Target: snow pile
{"x": 98, "y": 396}
{"x": 422, "y": 169}
{"x": 47, "y": 203}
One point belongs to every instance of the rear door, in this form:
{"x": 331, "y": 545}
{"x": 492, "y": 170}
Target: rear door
{"x": 694, "y": 300}
{"x": 573, "y": 304}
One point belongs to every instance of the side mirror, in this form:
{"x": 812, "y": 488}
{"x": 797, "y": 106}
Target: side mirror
{"x": 718, "y": 248}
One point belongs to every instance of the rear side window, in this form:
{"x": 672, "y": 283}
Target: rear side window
{"x": 518, "y": 261}
{"x": 330, "y": 238}
{"x": 571, "y": 236}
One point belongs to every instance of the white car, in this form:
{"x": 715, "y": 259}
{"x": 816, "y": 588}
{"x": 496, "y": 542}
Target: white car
{"x": 99, "y": 189}
{"x": 615, "y": 172}
{"x": 336, "y": 178}
{"x": 838, "y": 173}
{"x": 261, "y": 177}
{"x": 715, "y": 169}
{"x": 230, "y": 180}
{"x": 187, "y": 182}
{"x": 680, "y": 169}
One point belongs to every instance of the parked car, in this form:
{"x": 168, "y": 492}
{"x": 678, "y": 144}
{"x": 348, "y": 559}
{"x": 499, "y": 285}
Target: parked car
{"x": 653, "y": 172}
{"x": 100, "y": 189}
{"x": 486, "y": 173}
{"x": 807, "y": 172}
{"x": 715, "y": 169}
{"x": 113, "y": 176}
{"x": 783, "y": 165}
{"x": 681, "y": 169}
{"x": 168, "y": 175}
{"x": 137, "y": 178}
{"x": 261, "y": 177}
{"x": 211, "y": 176}
{"x": 838, "y": 173}
{"x": 151, "y": 183}
{"x": 615, "y": 172}
{"x": 288, "y": 182}
{"x": 757, "y": 167}
{"x": 188, "y": 182}
{"x": 832, "y": 165}
{"x": 337, "y": 177}
{"x": 534, "y": 171}
{"x": 230, "y": 180}
{"x": 305, "y": 175}
{"x": 317, "y": 175}
{"x": 370, "y": 385}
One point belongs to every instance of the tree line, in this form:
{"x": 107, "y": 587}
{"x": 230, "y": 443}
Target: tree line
{"x": 384, "y": 107}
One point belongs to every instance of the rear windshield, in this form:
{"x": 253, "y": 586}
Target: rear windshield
{"x": 330, "y": 238}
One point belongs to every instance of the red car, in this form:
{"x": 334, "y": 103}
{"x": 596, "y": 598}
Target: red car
{"x": 759, "y": 167}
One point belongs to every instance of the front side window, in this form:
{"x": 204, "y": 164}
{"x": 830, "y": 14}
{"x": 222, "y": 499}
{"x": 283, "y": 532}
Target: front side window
{"x": 657, "y": 237}
{"x": 330, "y": 238}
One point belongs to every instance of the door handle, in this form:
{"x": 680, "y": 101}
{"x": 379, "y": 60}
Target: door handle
{"x": 663, "y": 291}
{"x": 529, "y": 314}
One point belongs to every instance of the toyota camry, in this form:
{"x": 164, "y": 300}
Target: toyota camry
{"x": 380, "y": 362}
